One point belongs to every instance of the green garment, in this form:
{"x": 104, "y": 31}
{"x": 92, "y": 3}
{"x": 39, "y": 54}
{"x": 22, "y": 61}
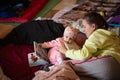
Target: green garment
{"x": 100, "y": 43}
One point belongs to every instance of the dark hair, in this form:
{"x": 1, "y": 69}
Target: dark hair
{"x": 93, "y": 17}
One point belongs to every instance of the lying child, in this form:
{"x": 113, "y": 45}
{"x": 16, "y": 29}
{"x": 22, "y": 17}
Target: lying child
{"x": 68, "y": 40}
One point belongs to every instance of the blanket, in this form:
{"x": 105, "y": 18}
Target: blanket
{"x": 74, "y": 12}
{"x": 14, "y": 62}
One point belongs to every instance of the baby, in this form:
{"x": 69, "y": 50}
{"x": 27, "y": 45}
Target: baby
{"x": 68, "y": 40}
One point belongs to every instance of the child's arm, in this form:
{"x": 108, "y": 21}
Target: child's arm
{"x": 53, "y": 43}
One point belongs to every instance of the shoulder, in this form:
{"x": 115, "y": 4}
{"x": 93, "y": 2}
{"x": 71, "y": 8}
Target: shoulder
{"x": 102, "y": 33}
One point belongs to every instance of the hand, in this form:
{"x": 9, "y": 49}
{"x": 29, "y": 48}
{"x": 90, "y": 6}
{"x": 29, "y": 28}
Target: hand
{"x": 62, "y": 49}
{"x": 63, "y": 56}
{"x": 42, "y": 45}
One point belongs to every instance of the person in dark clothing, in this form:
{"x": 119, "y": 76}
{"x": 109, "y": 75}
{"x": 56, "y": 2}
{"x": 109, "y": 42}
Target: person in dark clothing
{"x": 35, "y": 30}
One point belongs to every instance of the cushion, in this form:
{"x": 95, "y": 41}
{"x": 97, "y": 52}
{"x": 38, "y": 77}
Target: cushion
{"x": 115, "y": 20}
{"x": 102, "y": 68}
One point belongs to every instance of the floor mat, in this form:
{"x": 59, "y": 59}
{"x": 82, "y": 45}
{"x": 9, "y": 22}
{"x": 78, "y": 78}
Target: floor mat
{"x": 47, "y": 8}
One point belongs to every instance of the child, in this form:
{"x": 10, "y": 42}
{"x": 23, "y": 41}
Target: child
{"x": 68, "y": 40}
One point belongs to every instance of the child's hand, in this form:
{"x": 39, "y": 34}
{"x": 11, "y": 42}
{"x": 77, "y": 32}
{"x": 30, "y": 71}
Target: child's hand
{"x": 62, "y": 49}
{"x": 42, "y": 45}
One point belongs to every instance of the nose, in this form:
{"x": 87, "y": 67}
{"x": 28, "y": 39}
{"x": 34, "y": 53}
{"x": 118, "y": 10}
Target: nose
{"x": 67, "y": 39}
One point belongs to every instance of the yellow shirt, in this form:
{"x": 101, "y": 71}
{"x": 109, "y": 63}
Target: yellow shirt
{"x": 101, "y": 42}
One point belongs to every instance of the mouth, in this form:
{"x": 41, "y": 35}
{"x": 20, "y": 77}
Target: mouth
{"x": 68, "y": 42}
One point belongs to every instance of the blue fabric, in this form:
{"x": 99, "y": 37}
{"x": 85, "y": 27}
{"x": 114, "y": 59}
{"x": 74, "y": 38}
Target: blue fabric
{"x": 12, "y": 8}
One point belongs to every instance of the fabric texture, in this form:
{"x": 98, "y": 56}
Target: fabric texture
{"x": 13, "y": 8}
{"x": 34, "y": 7}
{"x": 53, "y": 53}
{"x": 14, "y": 62}
{"x": 115, "y": 20}
{"x": 49, "y": 5}
{"x": 35, "y": 30}
{"x": 104, "y": 68}
{"x": 97, "y": 47}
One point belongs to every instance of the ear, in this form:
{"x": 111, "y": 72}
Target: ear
{"x": 94, "y": 26}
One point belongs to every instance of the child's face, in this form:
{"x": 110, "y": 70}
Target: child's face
{"x": 70, "y": 34}
{"x": 88, "y": 29}
{"x": 68, "y": 38}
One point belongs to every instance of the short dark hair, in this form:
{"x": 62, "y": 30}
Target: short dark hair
{"x": 93, "y": 17}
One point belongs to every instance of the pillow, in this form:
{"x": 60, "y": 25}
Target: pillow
{"x": 5, "y": 30}
{"x": 100, "y": 68}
